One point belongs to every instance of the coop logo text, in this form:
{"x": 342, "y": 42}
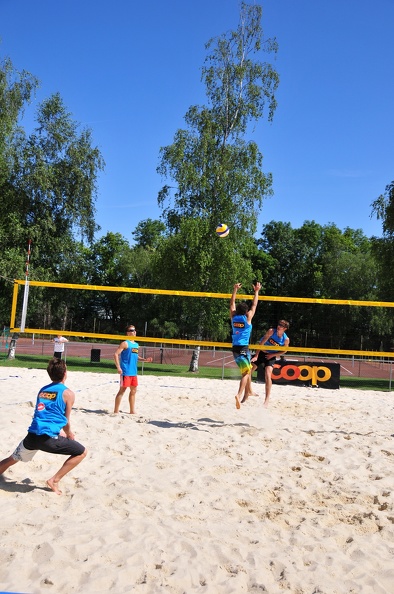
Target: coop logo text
{"x": 315, "y": 373}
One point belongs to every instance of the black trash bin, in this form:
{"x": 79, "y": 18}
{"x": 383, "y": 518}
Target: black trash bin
{"x": 95, "y": 355}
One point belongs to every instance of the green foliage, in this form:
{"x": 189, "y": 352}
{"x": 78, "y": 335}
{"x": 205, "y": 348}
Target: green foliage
{"x": 383, "y": 248}
{"x": 110, "y": 256}
{"x": 383, "y": 251}
{"x": 48, "y": 188}
{"x": 54, "y": 176}
{"x": 16, "y": 91}
{"x": 317, "y": 261}
{"x": 212, "y": 173}
{"x": 148, "y": 233}
{"x": 240, "y": 88}
{"x": 195, "y": 259}
{"x": 218, "y": 174}
{"x": 218, "y": 177}
{"x": 383, "y": 209}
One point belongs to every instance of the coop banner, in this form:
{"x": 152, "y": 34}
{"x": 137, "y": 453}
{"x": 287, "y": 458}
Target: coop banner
{"x": 313, "y": 373}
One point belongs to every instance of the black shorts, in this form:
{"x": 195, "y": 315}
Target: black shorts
{"x": 53, "y": 445}
{"x": 241, "y": 350}
{"x": 262, "y": 360}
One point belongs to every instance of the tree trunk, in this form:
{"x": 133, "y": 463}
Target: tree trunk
{"x": 12, "y": 348}
{"x": 194, "y": 360}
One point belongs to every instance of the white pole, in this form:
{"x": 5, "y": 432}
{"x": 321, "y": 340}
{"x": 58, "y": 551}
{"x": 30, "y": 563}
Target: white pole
{"x": 26, "y": 293}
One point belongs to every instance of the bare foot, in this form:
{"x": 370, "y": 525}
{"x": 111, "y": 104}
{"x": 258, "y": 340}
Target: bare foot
{"x": 265, "y": 404}
{"x": 250, "y": 394}
{"x": 237, "y": 402}
{"x": 54, "y": 486}
{"x": 132, "y": 412}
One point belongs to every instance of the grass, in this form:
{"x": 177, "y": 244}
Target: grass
{"x": 159, "y": 369}
{"x": 364, "y": 383}
{"x": 108, "y": 366}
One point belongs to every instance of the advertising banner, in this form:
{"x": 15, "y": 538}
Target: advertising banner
{"x": 300, "y": 373}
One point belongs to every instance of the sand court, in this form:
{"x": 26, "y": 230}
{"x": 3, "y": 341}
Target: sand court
{"x": 192, "y": 495}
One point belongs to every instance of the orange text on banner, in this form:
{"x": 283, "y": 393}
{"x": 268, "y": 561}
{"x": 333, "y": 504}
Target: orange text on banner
{"x": 305, "y": 373}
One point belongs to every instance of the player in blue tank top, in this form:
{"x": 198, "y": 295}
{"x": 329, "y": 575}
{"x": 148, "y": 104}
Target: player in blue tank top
{"x": 279, "y": 341}
{"x": 50, "y": 429}
{"x": 241, "y": 322}
{"x": 49, "y": 417}
{"x": 126, "y": 359}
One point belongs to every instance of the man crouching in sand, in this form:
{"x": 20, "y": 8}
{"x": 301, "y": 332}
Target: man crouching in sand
{"x": 50, "y": 429}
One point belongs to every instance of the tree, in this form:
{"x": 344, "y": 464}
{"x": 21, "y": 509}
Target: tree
{"x": 383, "y": 248}
{"x": 111, "y": 266}
{"x": 318, "y": 261}
{"x": 348, "y": 272}
{"x": 148, "y": 233}
{"x": 383, "y": 209}
{"x": 383, "y": 251}
{"x": 48, "y": 186}
{"x": 54, "y": 175}
{"x": 279, "y": 241}
{"x": 218, "y": 175}
{"x": 16, "y": 92}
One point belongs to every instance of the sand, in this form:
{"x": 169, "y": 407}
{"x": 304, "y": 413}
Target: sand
{"x": 191, "y": 495}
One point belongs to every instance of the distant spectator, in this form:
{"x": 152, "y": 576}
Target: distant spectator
{"x": 59, "y": 346}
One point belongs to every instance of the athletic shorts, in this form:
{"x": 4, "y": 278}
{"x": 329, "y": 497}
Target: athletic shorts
{"x": 262, "y": 360}
{"x": 33, "y": 443}
{"x": 242, "y": 358}
{"x": 129, "y": 381}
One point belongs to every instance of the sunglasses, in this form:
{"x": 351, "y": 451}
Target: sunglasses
{"x": 131, "y": 330}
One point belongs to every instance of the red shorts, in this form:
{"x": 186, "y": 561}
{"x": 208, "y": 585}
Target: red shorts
{"x": 128, "y": 381}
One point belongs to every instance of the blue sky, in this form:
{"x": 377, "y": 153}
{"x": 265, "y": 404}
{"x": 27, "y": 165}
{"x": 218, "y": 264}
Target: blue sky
{"x": 130, "y": 70}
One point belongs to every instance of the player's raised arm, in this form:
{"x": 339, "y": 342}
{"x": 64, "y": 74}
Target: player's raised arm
{"x": 253, "y": 307}
{"x": 232, "y": 300}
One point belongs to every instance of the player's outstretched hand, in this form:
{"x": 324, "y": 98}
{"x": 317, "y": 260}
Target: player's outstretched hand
{"x": 257, "y": 286}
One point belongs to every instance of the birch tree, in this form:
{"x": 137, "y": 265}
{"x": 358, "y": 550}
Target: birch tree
{"x": 214, "y": 174}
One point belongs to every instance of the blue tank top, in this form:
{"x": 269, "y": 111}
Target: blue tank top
{"x": 241, "y": 330}
{"x": 275, "y": 340}
{"x": 129, "y": 359}
{"x": 49, "y": 417}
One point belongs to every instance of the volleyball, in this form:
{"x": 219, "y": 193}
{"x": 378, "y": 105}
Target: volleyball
{"x": 222, "y": 230}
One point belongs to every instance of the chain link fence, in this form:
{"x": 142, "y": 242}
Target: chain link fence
{"x": 180, "y": 356}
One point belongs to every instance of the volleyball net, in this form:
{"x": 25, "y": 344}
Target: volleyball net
{"x": 289, "y": 307}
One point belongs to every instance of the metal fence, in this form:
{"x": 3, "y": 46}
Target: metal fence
{"x": 179, "y": 355}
